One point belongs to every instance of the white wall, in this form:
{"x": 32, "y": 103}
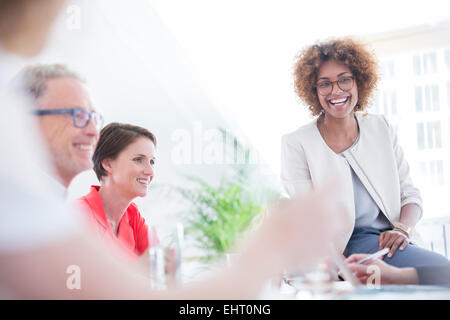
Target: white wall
{"x": 193, "y": 65}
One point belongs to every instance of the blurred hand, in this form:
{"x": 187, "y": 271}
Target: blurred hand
{"x": 393, "y": 240}
{"x": 297, "y": 232}
{"x": 388, "y": 274}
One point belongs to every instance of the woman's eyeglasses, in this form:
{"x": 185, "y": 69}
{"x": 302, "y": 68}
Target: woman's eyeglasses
{"x": 80, "y": 116}
{"x": 324, "y": 88}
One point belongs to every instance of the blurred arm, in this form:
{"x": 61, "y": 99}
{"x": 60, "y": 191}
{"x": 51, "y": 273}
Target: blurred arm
{"x": 289, "y": 237}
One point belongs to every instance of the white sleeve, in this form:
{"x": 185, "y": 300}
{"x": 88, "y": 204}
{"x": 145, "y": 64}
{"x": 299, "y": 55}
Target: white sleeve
{"x": 295, "y": 175}
{"x": 28, "y": 221}
{"x": 32, "y": 212}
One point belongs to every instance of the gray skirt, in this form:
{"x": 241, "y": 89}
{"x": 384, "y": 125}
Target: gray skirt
{"x": 365, "y": 240}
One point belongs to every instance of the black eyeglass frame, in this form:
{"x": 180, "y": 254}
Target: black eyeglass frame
{"x": 337, "y": 82}
{"x": 73, "y": 112}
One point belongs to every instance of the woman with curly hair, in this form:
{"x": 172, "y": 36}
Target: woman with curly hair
{"x": 380, "y": 204}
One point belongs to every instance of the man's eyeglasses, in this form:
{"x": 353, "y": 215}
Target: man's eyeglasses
{"x": 324, "y": 88}
{"x": 80, "y": 116}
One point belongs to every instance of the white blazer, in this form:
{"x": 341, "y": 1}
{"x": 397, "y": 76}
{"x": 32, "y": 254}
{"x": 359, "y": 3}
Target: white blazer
{"x": 377, "y": 159}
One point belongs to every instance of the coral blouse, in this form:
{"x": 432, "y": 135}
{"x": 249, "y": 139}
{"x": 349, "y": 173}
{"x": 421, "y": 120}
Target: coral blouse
{"x": 132, "y": 234}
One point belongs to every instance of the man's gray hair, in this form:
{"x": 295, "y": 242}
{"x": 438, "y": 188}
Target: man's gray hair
{"x": 34, "y": 77}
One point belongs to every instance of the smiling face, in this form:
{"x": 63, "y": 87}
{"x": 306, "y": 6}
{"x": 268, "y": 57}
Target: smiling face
{"x": 337, "y": 103}
{"x": 133, "y": 169}
{"x": 70, "y": 148}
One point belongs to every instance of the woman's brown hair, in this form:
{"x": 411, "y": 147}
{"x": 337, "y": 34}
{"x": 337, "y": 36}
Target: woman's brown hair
{"x": 350, "y": 52}
{"x": 114, "y": 138}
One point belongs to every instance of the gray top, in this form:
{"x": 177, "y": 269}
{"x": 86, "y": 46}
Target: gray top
{"x": 367, "y": 213}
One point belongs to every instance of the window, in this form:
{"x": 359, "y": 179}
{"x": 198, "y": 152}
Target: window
{"x": 418, "y": 95}
{"x": 391, "y": 68}
{"x": 387, "y": 69}
{"x": 423, "y": 168}
{"x": 385, "y": 104}
{"x": 420, "y": 136}
{"x": 416, "y": 65}
{"x": 429, "y": 63}
{"x": 448, "y": 93}
{"x": 433, "y": 171}
{"x": 437, "y": 172}
{"x": 434, "y": 135}
{"x": 449, "y": 127}
{"x": 447, "y": 59}
{"x": 393, "y": 102}
{"x": 429, "y": 135}
{"x": 389, "y": 100}
{"x": 425, "y": 64}
{"x": 435, "y": 97}
{"x": 428, "y": 97}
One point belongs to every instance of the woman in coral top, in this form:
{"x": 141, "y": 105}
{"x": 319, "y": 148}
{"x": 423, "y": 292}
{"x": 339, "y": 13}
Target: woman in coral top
{"x": 124, "y": 164}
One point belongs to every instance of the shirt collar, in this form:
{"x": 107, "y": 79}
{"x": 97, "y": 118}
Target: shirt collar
{"x": 58, "y": 187}
{"x": 125, "y": 233}
{"x": 50, "y": 183}
{"x": 96, "y": 203}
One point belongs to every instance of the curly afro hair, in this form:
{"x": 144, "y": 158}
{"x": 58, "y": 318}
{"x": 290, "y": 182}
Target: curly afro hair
{"x": 354, "y": 54}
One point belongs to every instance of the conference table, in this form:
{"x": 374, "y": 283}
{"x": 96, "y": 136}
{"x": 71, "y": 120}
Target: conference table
{"x": 343, "y": 290}
{"x": 282, "y": 289}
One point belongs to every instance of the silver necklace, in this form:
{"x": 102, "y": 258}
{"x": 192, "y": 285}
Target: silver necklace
{"x": 325, "y": 134}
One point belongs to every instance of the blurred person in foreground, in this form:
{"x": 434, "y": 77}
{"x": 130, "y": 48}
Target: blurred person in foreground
{"x": 40, "y": 240}
{"x": 423, "y": 275}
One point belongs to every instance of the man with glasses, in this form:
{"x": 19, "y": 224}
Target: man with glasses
{"x": 66, "y": 118}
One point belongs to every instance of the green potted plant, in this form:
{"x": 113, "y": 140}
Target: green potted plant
{"x": 218, "y": 217}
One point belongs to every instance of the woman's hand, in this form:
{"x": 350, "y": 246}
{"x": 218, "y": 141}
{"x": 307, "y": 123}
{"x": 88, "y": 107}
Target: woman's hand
{"x": 393, "y": 240}
{"x": 298, "y": 232}
{"x": 388, "y": 274}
